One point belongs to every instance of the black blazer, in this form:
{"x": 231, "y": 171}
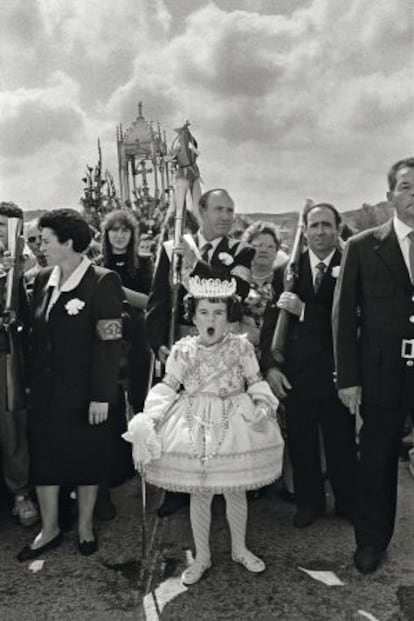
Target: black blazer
{"x": 70, "y": 365}
{"x": 309, "y": 362}
{"x": 373, "y": 311}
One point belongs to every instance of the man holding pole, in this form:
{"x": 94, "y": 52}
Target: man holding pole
{"x": 210, "y": 244}
{"x": 306, "y": 379}
{"x": 13, "y": 438}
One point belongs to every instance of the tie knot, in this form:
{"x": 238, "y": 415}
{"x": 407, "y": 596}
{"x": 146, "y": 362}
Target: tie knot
{"x": 321, "y": 267}
{"x": 205, "y": 250}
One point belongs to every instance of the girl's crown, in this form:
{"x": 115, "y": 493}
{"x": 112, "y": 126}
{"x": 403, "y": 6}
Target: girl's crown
{"x": 211, "y": 287}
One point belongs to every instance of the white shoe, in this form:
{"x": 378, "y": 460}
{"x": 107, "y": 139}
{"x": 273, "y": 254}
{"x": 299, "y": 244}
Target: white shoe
{"x": 25, "y": 510}
{"x": 249, "y": 561}
{"x": 195, "y": 572}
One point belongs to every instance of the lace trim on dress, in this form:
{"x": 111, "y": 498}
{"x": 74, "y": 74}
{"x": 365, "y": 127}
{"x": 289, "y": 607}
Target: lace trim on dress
{"x": 227, "y": 455}
{"x": 171, "y": 382}
{"x": 219, "y": 489}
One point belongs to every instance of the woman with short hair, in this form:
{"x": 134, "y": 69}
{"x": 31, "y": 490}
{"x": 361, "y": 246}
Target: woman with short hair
{"x": 263, "y": 237}
{"x": 75, "y": 353}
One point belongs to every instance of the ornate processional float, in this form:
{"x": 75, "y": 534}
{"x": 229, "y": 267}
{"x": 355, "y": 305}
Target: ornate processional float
{"x": 158, "y": 185}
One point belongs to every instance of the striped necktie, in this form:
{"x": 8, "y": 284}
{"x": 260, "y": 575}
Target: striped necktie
{"x": 205, "y": 250}
{"x": 320, "y": 271}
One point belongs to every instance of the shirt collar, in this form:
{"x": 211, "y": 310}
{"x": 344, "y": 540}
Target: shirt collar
{"x": 202, "y": 241}
{"x": 401, "y": 229}
{"x": 314, "y": 260}
{"x": 73, "y": 280}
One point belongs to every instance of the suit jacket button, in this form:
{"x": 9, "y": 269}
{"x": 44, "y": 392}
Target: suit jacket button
{"x": 409, "y": 363}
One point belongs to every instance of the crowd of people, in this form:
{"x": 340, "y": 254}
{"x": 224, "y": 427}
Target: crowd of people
{"x": 91, "y": 320}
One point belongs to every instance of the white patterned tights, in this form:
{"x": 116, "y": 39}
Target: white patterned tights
{"x": 200, "y": 515}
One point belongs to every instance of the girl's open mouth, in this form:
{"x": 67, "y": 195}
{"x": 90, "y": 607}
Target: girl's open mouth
{"x": 210, "y": 331}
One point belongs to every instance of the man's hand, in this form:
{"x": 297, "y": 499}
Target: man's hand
{"x": 163, "y": 353}
{"x": 98, "y": 412}
{"x": 351, "y": 398}
{"x": 7, "y": 262}
{"x": 278, "y": 382}
{"x": 291, "y": 303}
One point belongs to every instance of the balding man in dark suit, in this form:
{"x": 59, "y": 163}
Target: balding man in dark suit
{"x": 373, "y": 318}
{"x": 211, "y": 244}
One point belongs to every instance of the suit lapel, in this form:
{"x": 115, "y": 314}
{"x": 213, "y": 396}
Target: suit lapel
{"x": 388, "y": 249}
{"x": 222, "y": 246}
{"x": 80, "y": 291}
{"x": 305, "y": 284}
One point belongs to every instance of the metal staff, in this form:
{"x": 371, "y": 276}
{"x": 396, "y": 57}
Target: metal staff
{"x": 144, "y": 516}
{"x": 179, "y": 197}
{"x": 14, "y": 362}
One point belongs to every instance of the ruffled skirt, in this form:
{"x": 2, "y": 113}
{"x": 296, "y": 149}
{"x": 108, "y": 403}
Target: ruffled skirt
{"x": 207, "y": 443}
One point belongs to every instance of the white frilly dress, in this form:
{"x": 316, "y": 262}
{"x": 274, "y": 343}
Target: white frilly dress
{"x": 196, "y": 433}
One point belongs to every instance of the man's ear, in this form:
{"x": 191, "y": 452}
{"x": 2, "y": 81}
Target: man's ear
{"x": 389, "y": 196}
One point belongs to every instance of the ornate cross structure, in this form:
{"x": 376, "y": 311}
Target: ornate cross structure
{"x": 144, "y": 170}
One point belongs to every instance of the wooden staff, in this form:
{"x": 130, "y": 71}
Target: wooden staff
{"x": 290, "y": 279}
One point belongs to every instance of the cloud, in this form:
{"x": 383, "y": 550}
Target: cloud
{"x": 33, "y": 118}
{"x": 287, "y": 99}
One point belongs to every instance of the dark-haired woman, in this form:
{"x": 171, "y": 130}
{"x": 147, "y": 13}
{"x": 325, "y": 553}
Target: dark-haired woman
{"x": 120, "y": 253}
{"x": 76, "y": 347}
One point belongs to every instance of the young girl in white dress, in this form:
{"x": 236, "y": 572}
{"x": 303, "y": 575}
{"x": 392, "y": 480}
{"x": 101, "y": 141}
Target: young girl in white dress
{"x": 209, "y": 427}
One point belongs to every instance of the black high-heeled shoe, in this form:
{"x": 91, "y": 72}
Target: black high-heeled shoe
{"x": 86, "y": 548}
{"x": 28, "y": 553}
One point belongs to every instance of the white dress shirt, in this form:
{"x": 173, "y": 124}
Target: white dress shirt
{"x": 201, "y": 242}
{"x": 402, "y": 231}
{"x": 314, "y": 261}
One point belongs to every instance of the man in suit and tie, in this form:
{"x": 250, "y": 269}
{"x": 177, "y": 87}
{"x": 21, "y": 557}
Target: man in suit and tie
{"x": 373, "y": 319}
{"x": 306, "y": 380}
{"x": 212, "y": 245}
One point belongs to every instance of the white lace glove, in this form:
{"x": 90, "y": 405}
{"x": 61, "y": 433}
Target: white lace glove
{"x": 146, "y": 445}
{"x": 262, "y": 412}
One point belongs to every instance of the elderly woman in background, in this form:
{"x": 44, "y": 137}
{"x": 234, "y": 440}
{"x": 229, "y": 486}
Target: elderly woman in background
{"x": 263, "y": 237}
{"x": 76, "y": 348}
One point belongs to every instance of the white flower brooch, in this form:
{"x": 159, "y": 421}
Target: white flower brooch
{"x": 74, "y": 306}
{"x": 226, "y": 258}
{"x": 335, "y": 271}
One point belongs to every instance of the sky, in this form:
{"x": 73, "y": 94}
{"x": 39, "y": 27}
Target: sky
{"x": 288, "y": 99}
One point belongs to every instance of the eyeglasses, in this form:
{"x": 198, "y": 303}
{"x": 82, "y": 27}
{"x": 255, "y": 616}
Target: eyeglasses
{"x": 34, "y": 238}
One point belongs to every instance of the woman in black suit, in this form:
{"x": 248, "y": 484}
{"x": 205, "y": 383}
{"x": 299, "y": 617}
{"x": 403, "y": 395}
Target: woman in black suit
{"x": 75, "y": 353}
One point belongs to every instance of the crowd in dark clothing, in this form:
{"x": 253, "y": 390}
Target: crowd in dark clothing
{"x": 94, "y": 329}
